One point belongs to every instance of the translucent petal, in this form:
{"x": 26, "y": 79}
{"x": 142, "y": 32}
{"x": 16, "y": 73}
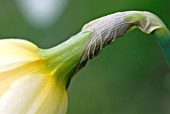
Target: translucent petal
{"x": 26, "y": 86}
{"x": 15, "y": 53}
{"x": 31, "y": 91}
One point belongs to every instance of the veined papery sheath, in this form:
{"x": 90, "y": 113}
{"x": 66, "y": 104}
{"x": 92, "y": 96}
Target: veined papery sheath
{"x": 34, "y": 80}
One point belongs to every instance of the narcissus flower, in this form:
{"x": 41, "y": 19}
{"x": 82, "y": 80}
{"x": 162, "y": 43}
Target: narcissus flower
{"x": 26, "y": 85}
{"x": 34, "y": 80}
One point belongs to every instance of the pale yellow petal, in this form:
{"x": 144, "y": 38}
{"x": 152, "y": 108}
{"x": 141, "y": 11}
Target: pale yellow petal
{"x": 26, "y": 86}
{"x": 15, "y": 53}
{"x": 18, "y": 97}
{"x": 31, "y": 91}
{"x": 52, "y": 99}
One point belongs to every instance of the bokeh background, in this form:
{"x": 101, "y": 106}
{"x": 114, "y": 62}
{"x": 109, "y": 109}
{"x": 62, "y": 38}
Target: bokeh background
{"x": 129, "y": 77}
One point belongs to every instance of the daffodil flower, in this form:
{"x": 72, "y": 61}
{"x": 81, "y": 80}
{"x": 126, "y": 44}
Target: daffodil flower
{"x": 34, "y": 80}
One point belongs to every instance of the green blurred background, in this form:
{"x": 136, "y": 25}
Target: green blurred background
{"x": 129, "y": 77}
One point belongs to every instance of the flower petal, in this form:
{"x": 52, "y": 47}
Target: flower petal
{"x": 15, "y": 53}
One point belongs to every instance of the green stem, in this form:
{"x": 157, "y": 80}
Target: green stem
{"x": 163, "y": 38}
{"x": 69, "y": 57}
